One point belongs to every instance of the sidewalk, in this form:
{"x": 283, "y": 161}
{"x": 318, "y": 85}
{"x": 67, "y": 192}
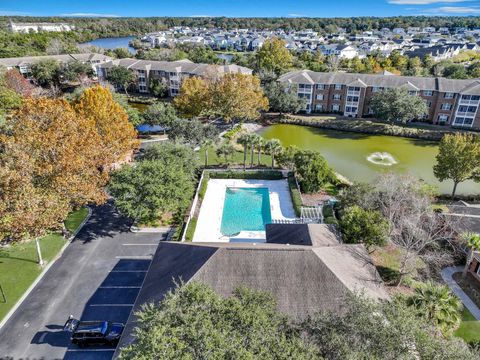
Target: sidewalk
{"x": 469, "y": 304}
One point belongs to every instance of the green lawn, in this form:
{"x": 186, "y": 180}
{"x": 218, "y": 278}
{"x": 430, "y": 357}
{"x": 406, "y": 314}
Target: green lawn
{"x": 237, "y": 158}
{"x": 18, "y": 263}
{"x": 469, "y": 329}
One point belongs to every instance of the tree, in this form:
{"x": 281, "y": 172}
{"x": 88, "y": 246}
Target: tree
{"x": 163, "y": 114}
{"x": 272, "y": 148}
{"x": 458, "y": 159}
{"x": 118, "y": 137}
{"x": 312, "y": 170}
{"x": 158, "y": 87}
{"x": 232, "y": 96}
{"x": 194, "y": 98}
{"x": 173, "y": 153}
{"x": 63, "y": 149}
{"x": 396, "y": 104}
{"x": 368, "y": 329}
{"x": 226, "y": 150}
{"x": 76, "y": 70}
{"x": 273, "y": 55}
{"x": 244, "y": 140}
{"x": 357, "y": 194}
{"x": 134, "y": 116}
{"x": 238, "y": 96}
{"x": 286, "y": 158}
{"x": 256, "y": 142}
{"x": 245, "y": 325}
{"x": 192, "y": 132}
{"x": 207, "y": 144}
{"x": 120, "y": 77}
{"x": 9, "y": 100}
{"x": 16, "y": 82}
{"x": 359, "y": 226}
{"x": 438, "y": 305}
{"x": 46, "y": 72}
{"x": 283, "y": 98}
{"x": 473, "y": 244}
{"x": 151, "y": 191}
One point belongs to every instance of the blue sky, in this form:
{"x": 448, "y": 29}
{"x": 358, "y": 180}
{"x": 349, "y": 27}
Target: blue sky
{"x": 240, "y": 8}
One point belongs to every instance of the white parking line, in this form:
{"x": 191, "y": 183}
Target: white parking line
{"x": 119, "y": 287}
{"x": 100, "y": 305}
{"x": 134, "y": 257}
{"x": 90, "y": 350}
{"x": 140, "y": 244}
{"x": 133, "y": 271}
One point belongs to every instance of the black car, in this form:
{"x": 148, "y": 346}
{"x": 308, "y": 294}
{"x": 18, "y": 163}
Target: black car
{"x": 93, "y": 332}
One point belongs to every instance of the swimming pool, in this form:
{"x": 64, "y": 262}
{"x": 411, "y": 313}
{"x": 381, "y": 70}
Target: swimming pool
{"x": 245, "y": 209}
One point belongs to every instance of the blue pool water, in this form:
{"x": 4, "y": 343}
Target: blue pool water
{"x": 245, "y": 209}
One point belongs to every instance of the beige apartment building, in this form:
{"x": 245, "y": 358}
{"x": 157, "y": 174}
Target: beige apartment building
{"x": 171, "y": 73}
{"x": 450, "y": 102}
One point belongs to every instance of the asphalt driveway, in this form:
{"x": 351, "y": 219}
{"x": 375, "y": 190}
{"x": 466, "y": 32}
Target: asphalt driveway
{"x": 97, "y": 278}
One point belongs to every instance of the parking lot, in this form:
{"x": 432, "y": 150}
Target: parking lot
{"x": 97, "y": 278}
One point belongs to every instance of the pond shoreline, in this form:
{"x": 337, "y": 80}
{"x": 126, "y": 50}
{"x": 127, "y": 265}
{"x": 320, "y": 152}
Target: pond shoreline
{"x": 362, "y": 126}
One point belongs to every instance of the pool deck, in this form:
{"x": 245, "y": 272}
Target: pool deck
{"x": 210, "y": 217}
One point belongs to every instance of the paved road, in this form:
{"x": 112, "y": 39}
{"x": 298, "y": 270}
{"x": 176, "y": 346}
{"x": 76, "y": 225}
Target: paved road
{"x": 98, "y": 277}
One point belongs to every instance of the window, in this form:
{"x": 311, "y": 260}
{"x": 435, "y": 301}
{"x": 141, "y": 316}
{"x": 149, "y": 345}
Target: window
{"x": 427, "y": 93}
{"x": 351, "y": 109}
{"x": 335, "y": 107}
{"x": 429, "y": 104}
{"x": 321, "y": 86}
{"x": 319, "y": 107}
{"x": 304, "y": 87}
{"x": 320, "y": 97}
{"x": 442, "y": 118}
{"x": 338, "y": 86}
{"x": 470, "y": 109}
{"x": 174, "y": 92}
{"x": 412, "y": 92}
{"x": 448, "y": 95}
{"x": 337, "y": 97}
{"x": 352, "y": 98}
{"x": 446, "y": 106}
{"x": 377, "y": 89}
{"x": 463, "y": 121}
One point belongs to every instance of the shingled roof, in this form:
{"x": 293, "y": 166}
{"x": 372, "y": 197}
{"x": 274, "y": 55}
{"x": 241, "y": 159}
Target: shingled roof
{"x": 303, "y": 278}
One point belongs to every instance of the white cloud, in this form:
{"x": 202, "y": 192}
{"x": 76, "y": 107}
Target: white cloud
{"x": 200, "y": 16}
{"x": 89, "y": 15}
{"x": 464, "y": 10}
{"x": 295, "y": 15}
{"x": 423, "y": 2}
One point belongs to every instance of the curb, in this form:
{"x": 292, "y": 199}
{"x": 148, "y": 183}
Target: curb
{"x": 44, "y": 271}
{"x": 149, "y": 230}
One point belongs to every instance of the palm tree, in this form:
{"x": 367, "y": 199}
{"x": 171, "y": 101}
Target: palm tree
{"x": 255, "y": 140}
{"x": 226, "y": 150}
{"x": 473, "y": 244}
{"x": 244, "y": 140}
{"x": 260, "y": 145}
{"x": 273, "y": 147}
{"x": 207, "y": 145}
{"x": 438, "y": 305}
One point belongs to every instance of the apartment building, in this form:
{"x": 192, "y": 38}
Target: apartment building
{"x": 23, "y": 64}
{"x": 450, "y": 102}
{"x": 39, "y": 26}
{"x": 171, "y": 73}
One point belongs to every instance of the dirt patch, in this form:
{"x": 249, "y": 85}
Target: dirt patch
{"x": 315, "y": 199}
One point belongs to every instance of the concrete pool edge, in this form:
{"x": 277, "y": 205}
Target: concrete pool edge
{"x": 211, "y": 211}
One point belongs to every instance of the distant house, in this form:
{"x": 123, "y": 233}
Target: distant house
{"x": 340, "y": 50}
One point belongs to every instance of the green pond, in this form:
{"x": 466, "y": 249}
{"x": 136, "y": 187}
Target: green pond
{"x": 360, "y": 157}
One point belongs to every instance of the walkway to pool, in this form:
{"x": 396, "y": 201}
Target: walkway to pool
{"x": 210, "y": 217}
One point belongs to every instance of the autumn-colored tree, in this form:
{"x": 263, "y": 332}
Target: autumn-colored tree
{"x": 194, "y": 97}
{"x": 274, "y": 56}
{"x": 16, "y": 82}
{"x": 26, "y": 210}
{"x": 117, "y": 136}
{"x": 63, "y": 149}
{"x": 238, "y": 96}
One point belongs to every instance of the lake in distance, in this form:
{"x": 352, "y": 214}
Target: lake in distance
{"x": 360, "y": 157}
{"x": 113, "y": 43}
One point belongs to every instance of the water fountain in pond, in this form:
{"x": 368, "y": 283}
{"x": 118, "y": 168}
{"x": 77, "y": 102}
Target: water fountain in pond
{"x": 382, "y": 158}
